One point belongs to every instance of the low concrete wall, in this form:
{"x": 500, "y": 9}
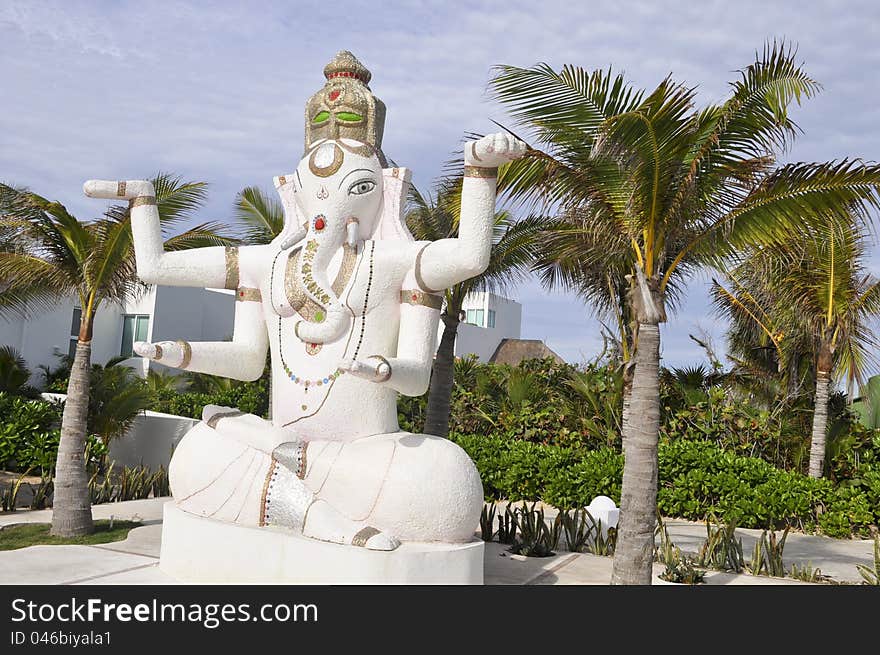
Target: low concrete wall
{"x": 150, "y": 440}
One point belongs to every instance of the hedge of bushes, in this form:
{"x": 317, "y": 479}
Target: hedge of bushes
{"x": 29, "y": 433}
{"x": 30, "y": 430}
{"x": 696, "y": 478}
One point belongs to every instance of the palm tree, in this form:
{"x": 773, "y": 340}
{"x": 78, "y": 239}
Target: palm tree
{"x": 514, "y": 247}
{"x": 816, "y": 294}
{"x": 684, "y": 188}
{"x": 54, "y": 256}
{"x": 260, "y": 215}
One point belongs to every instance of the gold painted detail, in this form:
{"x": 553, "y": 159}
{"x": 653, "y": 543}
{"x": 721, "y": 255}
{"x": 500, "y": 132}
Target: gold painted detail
{"x": 418, "y": 297}
{"x": 349, "y": 259}
{"x": 248, "y": 294}
{"x": 362, "y": 149}
{"x": 187, "y": 353}
{"x": 333, "y": 166}
{"x": 282, "y": 180}
{"x": 158, "y": 354}
{"x": 299, "y": 300}
{"x": 480, "y": 171}
{"x": 215, "y": 419}
{"x": 141, "y": 200}
{"x": 301, "y": 469}
{"x": 231, "y": 267}
{"x": 417, "y": 269}
{"x": 271, "y": 474}
{"x": 363, "y": 536}
{"x": 313, "y": 348}
{"x": 308, "y": 258}
{"x": 120, "y": 188}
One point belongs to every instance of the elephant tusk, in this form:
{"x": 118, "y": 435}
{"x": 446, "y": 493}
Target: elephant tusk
{"x": 351, "y": 229}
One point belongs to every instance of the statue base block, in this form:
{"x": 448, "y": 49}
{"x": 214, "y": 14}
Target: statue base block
{"x": 201, "y": 550}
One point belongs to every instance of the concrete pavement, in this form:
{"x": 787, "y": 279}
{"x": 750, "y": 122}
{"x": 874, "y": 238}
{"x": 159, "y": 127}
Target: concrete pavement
{"x": 135, "y": 560}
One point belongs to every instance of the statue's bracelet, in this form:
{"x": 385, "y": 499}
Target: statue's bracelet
{"x": 382, "y": 360}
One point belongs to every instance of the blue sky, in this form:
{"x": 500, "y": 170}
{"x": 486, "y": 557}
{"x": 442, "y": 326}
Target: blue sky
{"x": 215, "y": 92}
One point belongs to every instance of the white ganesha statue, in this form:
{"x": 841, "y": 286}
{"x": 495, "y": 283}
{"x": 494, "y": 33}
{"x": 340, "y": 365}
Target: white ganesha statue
{"x": 347, "y": 303}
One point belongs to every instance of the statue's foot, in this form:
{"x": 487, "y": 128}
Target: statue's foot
{"x": 324, "y": 523}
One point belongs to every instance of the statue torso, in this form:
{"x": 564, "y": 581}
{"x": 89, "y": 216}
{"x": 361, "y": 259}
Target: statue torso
{"x": 309, "y": 394}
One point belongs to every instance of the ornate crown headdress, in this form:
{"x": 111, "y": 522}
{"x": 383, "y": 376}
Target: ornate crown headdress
{"x": 345, "y": 107}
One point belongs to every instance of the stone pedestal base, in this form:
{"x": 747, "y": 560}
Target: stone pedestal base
{"x": 201, "y": 550}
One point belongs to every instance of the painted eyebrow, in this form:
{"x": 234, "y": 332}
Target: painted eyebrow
{"x": 354, "y": 171}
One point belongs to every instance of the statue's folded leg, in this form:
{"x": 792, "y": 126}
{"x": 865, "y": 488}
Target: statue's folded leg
{"x": 249, "y": 477}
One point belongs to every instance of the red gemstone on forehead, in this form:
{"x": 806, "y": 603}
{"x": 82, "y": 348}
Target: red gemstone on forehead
{"x": 334, "y": 94}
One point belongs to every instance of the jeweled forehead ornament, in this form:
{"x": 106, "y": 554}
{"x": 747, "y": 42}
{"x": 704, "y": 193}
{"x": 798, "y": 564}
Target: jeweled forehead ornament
{"x": 345, "y": 108}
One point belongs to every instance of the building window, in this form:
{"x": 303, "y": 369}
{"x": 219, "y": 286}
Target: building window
{"x": 476, "y": 317}
{"x": 491, "y": 320}
{"x": 134, "y": 328}
{"x": 74, "y": 332}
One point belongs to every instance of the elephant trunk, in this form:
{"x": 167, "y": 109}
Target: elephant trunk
{"x": 330, "y": 322}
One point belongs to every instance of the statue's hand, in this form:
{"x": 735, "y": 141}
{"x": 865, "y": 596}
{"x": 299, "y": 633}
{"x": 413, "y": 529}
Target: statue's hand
{"x": 122, "y": 190}
{"x": 170, "y": 353}
{"x": 493, "y": 150}
{"x": 374, "y": 369}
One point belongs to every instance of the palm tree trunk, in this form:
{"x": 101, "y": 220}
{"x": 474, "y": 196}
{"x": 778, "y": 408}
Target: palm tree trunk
{"x": 440, "y": 391}
{"x": 633, "y": 556}
{"x": 627, "y": 398}
{"x": 820, "y": 425}
{"x": 71, "y": 506}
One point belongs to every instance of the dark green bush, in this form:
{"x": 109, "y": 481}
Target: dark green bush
{"x": 28, "y": 433}
{"x": 252, "y": 398}
{"x": 697, "y": 479}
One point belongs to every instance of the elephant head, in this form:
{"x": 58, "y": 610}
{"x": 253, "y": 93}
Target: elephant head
{"x": 338, "y": 196}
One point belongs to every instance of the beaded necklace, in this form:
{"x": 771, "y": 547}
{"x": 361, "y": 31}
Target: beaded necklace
{"x": 331, "y": 377}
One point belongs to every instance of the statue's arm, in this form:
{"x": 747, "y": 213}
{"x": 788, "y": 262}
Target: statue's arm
{"x": 214, "y": 267}
{"x": 243, "y": 358}
{"x": 409, "y": 372}
{"x": 447, "y": 262}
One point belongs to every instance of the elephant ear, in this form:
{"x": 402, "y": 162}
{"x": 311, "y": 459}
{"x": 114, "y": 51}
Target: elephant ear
{"x": 292, "y": 216}
{"x": 391, "y": 225}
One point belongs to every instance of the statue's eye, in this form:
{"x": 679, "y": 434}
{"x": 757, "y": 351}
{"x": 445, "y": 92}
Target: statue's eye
{"x": 321, "y": 117}
{"x": 361, "y": 187}
{"x": 348, "y": 117}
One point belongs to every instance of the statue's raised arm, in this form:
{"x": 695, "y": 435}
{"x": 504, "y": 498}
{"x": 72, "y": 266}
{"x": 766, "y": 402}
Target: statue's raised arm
{"x": 447, "y": 262}
{"x": 214, "y": 267}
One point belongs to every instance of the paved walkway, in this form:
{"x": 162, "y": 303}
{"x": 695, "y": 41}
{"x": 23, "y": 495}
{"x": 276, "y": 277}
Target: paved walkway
{"x": 135, "y": 560}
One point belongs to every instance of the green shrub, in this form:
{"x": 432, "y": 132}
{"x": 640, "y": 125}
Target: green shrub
{"x": 251, "y": 397}
{"x": 697, "y": 479}
{"x": 29, "y": 433}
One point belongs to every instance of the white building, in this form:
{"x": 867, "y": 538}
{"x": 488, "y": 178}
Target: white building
{"x": 159, "y": 314}
{"x": 488, "y": 319}
{"x": 167, "y": 313}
